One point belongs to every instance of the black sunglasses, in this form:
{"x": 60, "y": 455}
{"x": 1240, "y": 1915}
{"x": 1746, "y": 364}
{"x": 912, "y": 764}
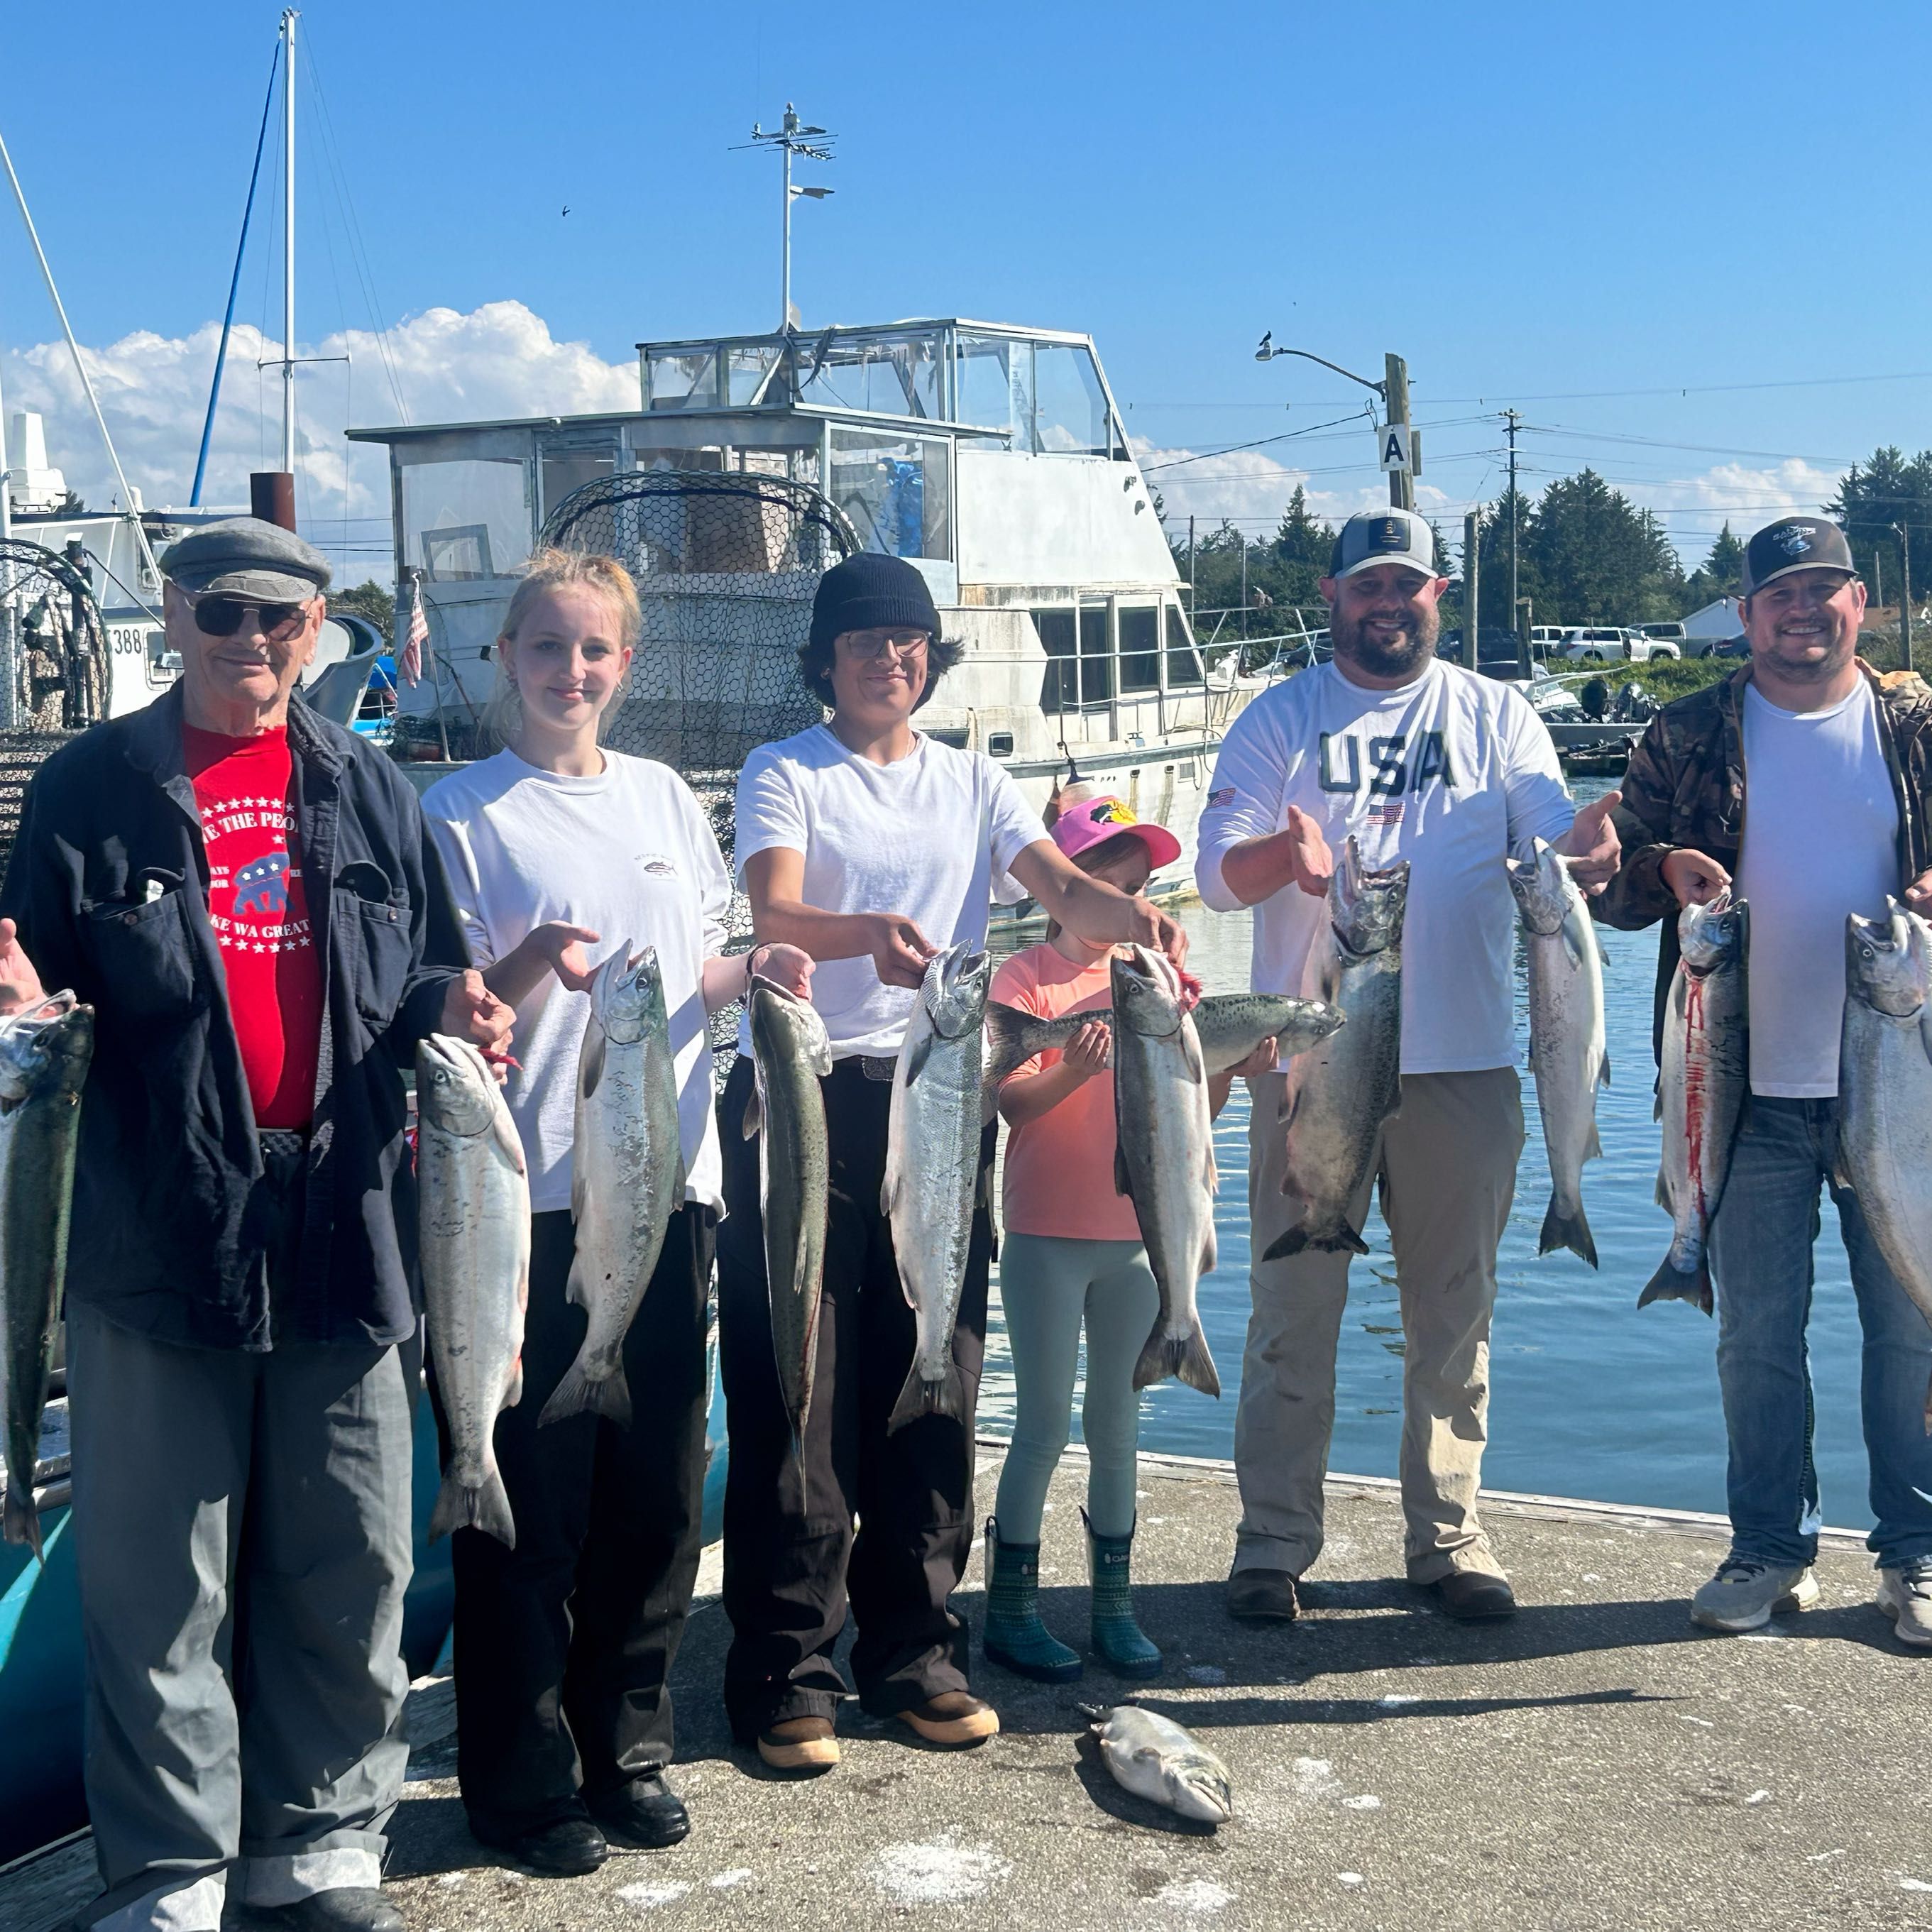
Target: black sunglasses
{"x": 222, "y": 617}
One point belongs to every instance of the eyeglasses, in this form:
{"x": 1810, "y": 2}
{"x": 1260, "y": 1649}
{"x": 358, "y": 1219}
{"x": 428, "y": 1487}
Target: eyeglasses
{"x": 220, "y": 616}
{"x": 869, "y": 646}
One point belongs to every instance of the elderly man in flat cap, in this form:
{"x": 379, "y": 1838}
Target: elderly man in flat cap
{"x": 246, "y": 895}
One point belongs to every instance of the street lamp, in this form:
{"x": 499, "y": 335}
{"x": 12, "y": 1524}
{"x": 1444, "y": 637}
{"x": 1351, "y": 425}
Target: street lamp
{"x": 1393, "y": 389}
{"x": 1270, "y": 350}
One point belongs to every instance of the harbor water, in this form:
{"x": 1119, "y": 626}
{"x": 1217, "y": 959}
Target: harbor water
{"x": 1590, "y": 1397}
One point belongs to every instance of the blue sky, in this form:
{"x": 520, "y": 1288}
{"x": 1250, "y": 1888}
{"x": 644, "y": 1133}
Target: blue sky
{"x": 1528, "y": 202}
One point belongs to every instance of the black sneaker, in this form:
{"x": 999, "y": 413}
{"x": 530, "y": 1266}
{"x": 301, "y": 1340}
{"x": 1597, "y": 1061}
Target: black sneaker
{"x": 1262, "y": 1597}
{"x": 568, "y": 1848}
{"x": 645, "y": 1814}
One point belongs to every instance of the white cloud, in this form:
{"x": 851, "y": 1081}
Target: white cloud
{"x": 499, "y": 360}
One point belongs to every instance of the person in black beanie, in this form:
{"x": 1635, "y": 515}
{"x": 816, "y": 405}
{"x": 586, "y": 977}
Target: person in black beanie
{"x": 872, "y": 846}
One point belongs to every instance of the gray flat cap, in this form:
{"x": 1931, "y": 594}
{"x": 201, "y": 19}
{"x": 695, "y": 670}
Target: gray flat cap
{"x": 246, "y": 557}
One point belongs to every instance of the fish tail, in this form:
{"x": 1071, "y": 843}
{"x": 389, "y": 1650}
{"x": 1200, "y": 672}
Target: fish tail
{"x": 947, "y": 1396}
{"x": 1341, "y": 1240}
{"x": 23, "y": 1519}
{"x": 1567, "y": 1231}
{"x": 1672, "y": 1283}
{"x": 1186, "y": 1357}
{"x": 600, "y": 1395}
{"x": 486, "y": 1507}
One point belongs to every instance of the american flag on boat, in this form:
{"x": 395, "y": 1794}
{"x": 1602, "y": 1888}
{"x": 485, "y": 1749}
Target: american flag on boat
{"x": 415, "y": 652}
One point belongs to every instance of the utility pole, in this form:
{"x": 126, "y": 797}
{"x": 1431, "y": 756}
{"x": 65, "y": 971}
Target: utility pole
{"x": 1472, "y": 525}
{"x": 1244, "y": 589}
{"x": 1513, "y": 419}
{"x": 288, "y": 241}
{"x": 1905, "y": 595}
{"x": 1193, "y": 595}
{"x": 1395, "y": 394}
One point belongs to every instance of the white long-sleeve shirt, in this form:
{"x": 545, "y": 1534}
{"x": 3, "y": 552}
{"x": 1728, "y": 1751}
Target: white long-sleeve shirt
{"x": 1452, "y": 772}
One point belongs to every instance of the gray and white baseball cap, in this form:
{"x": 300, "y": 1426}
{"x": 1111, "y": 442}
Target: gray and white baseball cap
{"x": 1371, "y": 537}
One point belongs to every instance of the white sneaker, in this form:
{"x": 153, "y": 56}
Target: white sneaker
{"x": 1746, "y": 1593}
{"x": 1905, "y": 1595}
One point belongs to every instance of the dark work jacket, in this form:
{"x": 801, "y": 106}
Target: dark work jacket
{"x": 171, "y": 1213}
{"x": 1686, "y": 787}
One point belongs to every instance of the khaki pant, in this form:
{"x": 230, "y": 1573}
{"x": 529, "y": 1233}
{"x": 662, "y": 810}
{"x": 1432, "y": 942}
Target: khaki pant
{"x": 1447, "y": 1164}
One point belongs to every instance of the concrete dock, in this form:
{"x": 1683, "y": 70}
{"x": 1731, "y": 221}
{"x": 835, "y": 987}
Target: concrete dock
{"x": 1597, "y": 1762}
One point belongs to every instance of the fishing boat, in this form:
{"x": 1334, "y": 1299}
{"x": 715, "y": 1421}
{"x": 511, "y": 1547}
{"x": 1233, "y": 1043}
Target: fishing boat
{"x": 989, "y": 456}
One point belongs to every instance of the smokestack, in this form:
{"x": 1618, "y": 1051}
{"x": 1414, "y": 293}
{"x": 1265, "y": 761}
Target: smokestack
{"x": 271, "y": 497}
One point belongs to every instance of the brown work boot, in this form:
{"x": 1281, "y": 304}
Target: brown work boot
{"x": 956, "y": 1718}
{"x": 1262, "y": 1597}
{"x": 799, "y": 1743}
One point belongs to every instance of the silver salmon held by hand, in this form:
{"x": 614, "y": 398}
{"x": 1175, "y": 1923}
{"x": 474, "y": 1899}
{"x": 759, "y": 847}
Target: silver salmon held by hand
{"x": 1339, "y": 1094}
{"x": 1230, "y": 1026}
{"x": 1164, "y": 1159}
{"x": 932, "y": 1168}
{"x": 1885, "y": 1093}
{"x": 790, "y": 1054}
{"x": 475, "y": 1246}
{"x": 627, "y": 1174}
{"x": 1156, "y": 1758}
{"x": 1701, "y": 1089}
{"x": 1566, "y": 1052}
{"x": 45, "y": 1050}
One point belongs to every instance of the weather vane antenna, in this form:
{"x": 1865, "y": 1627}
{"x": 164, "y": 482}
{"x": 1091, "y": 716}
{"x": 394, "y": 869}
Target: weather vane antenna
{"x": 791, "y": 137}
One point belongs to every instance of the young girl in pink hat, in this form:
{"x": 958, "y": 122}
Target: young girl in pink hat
{"x": 1071, "y": 1256}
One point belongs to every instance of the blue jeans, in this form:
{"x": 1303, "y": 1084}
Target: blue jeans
{"x": 1761, "y": 1245}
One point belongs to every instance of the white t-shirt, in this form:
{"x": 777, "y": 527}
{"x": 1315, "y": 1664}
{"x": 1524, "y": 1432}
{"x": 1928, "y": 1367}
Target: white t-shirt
{"x": 927, "y": 836}
{"x": 1452, "y": 772}
{"x": 628, "y": 853}
{"x": 1821, "y": 826}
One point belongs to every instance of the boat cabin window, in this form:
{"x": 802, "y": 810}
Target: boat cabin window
{"x": 1069, "y": 406}
{"x": 1096, "y": 659}
{"x": 1000, "y": 744}
{"x": 995, "y": 382}
{"x": 747, "y": 373}
{"x": 683, "y": 379}
{"x": 897, "y": 490}
{"x": 568, "y": 465}
{"x": 1061, "y": 690}
{"x": 1140, "y": 648}
{"x": 467, "y": 519}
{"x": 954, "y": 735}
{"x": 1184, "y": 660}
{"x": 896, "y": 375}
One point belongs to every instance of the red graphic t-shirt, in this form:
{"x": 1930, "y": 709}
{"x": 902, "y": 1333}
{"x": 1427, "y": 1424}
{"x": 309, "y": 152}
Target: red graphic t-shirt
{"x": 260, "y": 912}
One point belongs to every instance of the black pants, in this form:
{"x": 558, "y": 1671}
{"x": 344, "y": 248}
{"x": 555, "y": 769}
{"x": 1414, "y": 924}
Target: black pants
{"x": 790, "y": 1554}
{"x": 564, "y": 1644}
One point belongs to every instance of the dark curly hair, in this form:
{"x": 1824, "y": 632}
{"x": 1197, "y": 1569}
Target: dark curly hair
{"x": 815, "y": 662}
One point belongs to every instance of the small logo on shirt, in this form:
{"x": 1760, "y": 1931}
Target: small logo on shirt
{"x": 262, "y": 889}
{"x": 657, "y": 864}
{"x": 1226, "y": 796}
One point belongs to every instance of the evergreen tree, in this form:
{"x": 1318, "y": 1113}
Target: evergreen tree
{"x": 1721, "y": 574}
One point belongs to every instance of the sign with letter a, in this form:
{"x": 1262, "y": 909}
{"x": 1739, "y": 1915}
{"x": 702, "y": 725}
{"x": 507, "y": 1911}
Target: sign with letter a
{"x": 1395, "y": 448}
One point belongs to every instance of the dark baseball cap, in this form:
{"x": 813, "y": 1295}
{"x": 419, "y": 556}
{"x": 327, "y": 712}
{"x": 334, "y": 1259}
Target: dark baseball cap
{"x": 1795, "y": 543}
{"x": 1383, "y": 536}
{"x": 244, "y": 556}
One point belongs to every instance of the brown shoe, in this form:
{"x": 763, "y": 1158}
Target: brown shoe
{"x": 954, "y": 1717}
{"x": 1471, "y": 1598}
{"x": 1262, "y": 1597}
{"x": 799, "y": 1743}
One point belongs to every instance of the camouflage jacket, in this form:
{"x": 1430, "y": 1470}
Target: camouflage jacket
{"x": 1686, "y": 787}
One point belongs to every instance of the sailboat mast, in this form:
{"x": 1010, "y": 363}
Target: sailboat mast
{"x": 288, "y": 241}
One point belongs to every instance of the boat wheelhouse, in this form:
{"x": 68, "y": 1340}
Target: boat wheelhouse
{"x": 991, "y": 458}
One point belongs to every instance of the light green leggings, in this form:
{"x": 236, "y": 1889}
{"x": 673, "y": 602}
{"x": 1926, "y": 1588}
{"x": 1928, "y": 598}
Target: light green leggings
{"x": 1048, "y": 1285}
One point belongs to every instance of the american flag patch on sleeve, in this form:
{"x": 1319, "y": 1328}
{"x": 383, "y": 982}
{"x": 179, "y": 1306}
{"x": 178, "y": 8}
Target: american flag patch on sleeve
{"x": 1226, "y": 796}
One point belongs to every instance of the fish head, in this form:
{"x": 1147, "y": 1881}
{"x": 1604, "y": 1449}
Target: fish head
{"x": 45, "y": 1048}
{"x": 1198, "y": 1787}
{"x": 781, "y": 1022}
{"x": 1713, "y": 937}
{"x": 1366, "y": 905}
{"x": 627, "y": 992}
{"x": 957, "y": 981}
{"x": 1888, "y": 961}
{"x": 455, "y": 1090}
{"x": 1147, "y": 993}
{"x": 1543, "y": 887}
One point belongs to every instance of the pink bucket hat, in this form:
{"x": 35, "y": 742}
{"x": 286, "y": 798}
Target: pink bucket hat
{"x": 1093, "y": 821}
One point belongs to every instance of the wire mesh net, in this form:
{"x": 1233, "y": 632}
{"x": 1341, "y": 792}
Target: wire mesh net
{"x": 726, "y": 564}
{"x": 53, "y": 645}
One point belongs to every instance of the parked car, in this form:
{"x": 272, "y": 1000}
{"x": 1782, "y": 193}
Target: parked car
{"x": 1546, "y": 640}
{"x": 1496, "y": 651}
{"x": 1666, "y": 634}
{"x": 1724, "y": 647}
{"x": 1602, "y": 643}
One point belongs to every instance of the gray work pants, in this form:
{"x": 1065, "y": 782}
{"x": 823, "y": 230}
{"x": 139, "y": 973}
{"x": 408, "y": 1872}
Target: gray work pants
{"x": 1447, "y": 1161}
{"x": 242, "y": 1529}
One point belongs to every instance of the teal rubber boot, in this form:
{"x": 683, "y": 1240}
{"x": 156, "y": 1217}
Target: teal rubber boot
{"x": 1117, "y": 1639}
{"x": 1014, "y": 1635}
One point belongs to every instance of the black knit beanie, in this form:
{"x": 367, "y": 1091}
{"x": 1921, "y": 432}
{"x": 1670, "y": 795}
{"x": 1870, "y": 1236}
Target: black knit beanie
{"x": 869, "y": 592}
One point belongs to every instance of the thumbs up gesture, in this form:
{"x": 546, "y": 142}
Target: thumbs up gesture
{"x": 1591, "y": 847}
